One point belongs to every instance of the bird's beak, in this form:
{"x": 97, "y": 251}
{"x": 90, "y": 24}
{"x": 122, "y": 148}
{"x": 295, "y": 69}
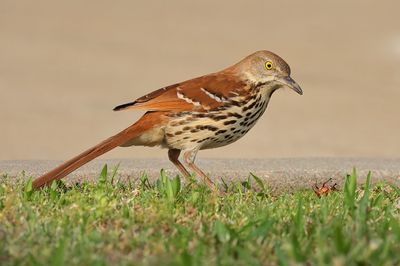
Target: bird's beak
{"x": 289, "y": 82}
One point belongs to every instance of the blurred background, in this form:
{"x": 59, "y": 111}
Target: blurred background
{"x": 65, "y": 64}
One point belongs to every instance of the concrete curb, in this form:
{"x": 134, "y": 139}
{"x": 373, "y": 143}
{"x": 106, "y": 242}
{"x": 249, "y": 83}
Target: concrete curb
{"x": 281, "y": 174}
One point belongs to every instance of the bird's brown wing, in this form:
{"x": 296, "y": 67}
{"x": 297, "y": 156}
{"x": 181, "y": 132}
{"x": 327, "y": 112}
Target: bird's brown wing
{"x": 200, "y": 94}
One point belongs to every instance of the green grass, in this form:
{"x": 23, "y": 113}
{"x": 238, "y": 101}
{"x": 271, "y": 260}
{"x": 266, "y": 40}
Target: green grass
{"x": 168, "y": 223}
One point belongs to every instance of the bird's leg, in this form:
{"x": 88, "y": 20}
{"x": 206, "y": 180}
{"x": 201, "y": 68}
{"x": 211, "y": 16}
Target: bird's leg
{"x": 189, "y": 157}
{"x": 173, "y": 155}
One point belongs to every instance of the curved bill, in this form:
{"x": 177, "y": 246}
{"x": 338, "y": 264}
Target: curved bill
{"x": 289, "y": 82}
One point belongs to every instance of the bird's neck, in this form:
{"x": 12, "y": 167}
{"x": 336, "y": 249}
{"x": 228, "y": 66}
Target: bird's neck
{"x": 267, "y": 88}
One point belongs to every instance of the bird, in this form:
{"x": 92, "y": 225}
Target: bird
{"x": 206, "y": 112}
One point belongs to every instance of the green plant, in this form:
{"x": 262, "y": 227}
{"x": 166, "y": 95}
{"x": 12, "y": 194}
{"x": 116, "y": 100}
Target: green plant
{"x": 168, "y": 223}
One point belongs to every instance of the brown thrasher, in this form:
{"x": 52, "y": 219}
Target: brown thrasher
{"x": 202, "y": 113}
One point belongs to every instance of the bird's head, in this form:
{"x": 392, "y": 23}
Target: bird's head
{"x": 264, "y": 67}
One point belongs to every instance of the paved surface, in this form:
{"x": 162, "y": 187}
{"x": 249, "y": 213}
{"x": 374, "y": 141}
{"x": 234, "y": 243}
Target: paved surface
{"x": 281, "y": 174}
{"x": 65, "y": 64}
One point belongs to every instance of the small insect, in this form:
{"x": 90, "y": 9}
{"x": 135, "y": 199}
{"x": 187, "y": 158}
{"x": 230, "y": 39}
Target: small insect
{"x": 324, "y": 190}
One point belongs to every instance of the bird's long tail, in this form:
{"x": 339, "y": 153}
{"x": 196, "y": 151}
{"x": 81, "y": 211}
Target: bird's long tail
{"x": 69, "y": 166}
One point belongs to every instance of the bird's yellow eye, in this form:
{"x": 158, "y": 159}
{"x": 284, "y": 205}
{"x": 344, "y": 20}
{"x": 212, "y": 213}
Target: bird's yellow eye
{"x": 268, "y": 65}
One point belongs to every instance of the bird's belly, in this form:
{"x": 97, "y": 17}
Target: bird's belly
{"x": 214, "y": 129}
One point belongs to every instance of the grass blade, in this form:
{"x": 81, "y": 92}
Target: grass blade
{"x": 221, "y": 232}
{"x": 259, "y": 182}
{"x": 114, "y": 173}
{"x": 103, "y": 175}
{"x": 363, "y": 207}
{"x": 28, "y": 191}
{"x": 169, "y": 190}
{"x": 350, "y": 191}
{"x": 58, "y": 257}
